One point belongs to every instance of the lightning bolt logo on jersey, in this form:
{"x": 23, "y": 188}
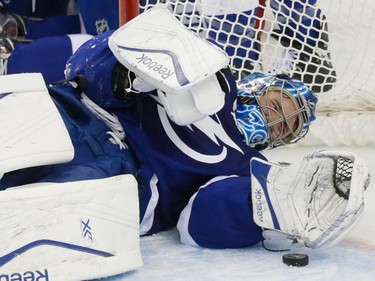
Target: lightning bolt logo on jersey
{"x": 196, "y": 153}
{"x": 208, "y": 127}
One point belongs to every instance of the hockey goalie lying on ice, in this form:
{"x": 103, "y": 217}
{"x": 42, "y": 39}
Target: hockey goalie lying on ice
{"x": 150, "y": 132}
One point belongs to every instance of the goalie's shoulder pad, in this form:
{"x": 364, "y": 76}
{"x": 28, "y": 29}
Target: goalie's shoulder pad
{"x": 164, "y": 53}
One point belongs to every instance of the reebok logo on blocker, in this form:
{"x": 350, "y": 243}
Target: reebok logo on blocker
{"x": 152, "y": 65}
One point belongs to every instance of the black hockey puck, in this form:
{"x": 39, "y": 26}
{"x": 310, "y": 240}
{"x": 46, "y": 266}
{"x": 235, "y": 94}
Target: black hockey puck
{"x": 295, "y": 259}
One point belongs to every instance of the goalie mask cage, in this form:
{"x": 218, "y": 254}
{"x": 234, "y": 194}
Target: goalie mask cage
{"x": 329, "y": 45}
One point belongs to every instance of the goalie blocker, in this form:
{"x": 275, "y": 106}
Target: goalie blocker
{"x": 315, "y": 202}
{"x": 166, "y": 56}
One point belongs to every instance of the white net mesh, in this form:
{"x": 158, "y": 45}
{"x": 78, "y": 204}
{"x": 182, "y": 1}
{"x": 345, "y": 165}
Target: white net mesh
{"x": 353, "y": 54}
{"x": 329, "y": 45}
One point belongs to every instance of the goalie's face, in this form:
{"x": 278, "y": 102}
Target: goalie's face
{"x": 281, "y": 113}
{"x": 269, "y": 120}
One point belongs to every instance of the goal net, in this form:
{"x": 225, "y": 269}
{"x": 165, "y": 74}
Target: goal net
{"x": 329, "y": 45}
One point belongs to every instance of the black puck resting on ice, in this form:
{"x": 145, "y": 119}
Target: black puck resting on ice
{"x": 294, "y": 259}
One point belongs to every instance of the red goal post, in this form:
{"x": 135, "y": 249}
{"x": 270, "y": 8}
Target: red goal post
{"x": 128, "y": 9}
{"x": 266, "y": 35}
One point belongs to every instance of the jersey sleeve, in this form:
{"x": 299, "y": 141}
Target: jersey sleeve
{"x": 47, "y": 55}
{"x": 219, "y": 215}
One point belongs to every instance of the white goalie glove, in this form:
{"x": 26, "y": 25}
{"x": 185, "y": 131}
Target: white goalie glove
{"x": 315, "y": 202}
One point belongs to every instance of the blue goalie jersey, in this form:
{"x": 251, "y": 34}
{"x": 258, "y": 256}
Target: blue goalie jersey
{"x": 175, "y": 161}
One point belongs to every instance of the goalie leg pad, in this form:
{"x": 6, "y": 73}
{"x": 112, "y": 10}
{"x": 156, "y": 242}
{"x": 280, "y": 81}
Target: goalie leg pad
{"x": 32, "y": 130}
{"x": 317, "y": 201}
{"x": 79, "y": 230}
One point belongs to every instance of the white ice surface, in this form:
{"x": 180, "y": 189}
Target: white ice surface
{"x": 353, "y": 259}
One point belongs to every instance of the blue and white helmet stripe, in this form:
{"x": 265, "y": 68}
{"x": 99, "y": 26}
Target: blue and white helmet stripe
{"x": 252, "y": 124}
